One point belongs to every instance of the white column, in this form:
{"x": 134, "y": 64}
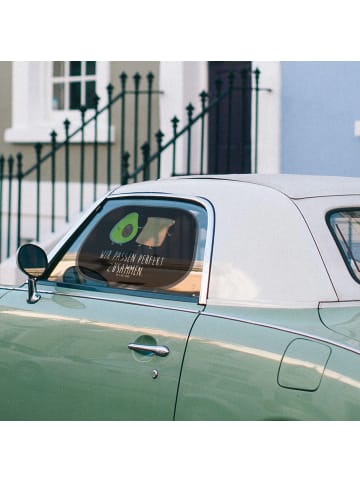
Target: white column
{"x": 269, "y": 120}
{"x": 181, "y": 83}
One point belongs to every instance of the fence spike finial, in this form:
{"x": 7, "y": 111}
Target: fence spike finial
{"x": 67, "y": 127}
{"x": 137, "y": 78}
{"x": 175, "y": 121}
{"x": 150, "y": 77}
{"x": 110, "y": 89}
{"x": 190, "y": 109}
{"x": 203, "y": 96}
{"x": 159, "y": 135}
{"x": 123, "y": 78}
{"x": 53, "y": 135}
{"x": 10, "y": 163}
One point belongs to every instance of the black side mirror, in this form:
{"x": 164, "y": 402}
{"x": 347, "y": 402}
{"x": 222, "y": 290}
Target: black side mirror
{"x": 32, "y": 261}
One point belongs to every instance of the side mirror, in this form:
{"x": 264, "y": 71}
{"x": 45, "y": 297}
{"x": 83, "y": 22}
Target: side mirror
{"x": 32, "y": 261}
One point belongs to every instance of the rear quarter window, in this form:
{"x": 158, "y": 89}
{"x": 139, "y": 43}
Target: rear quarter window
{"x": 344, "y": 225}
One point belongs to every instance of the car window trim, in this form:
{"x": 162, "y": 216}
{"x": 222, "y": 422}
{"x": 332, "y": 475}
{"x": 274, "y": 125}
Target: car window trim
{"x": 117, "y": 299}
{"x": 336, "y": 238}
{"x": 57, "y": 252}
{"x": 284, "y": 329}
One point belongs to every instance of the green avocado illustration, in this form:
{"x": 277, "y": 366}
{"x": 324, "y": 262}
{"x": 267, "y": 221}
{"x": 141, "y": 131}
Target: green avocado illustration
{"x": 126, "y": 229}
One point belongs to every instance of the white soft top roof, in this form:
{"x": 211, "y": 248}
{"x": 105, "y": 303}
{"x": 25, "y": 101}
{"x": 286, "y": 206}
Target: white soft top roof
{"x": 298, "y": 186}
{"x": 295, "y": 186}
{"x": 283, "y": 216}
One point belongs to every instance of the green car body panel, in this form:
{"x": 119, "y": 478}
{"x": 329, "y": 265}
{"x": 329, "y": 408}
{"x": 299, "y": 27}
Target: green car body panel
{"x": 67, "y": 358}
{"x": 263, "y": 366}
{"x": 207, "y": 298}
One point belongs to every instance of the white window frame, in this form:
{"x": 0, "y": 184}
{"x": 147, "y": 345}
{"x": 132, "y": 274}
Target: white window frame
{"x": 66, "y": 80}
{"x": 33, "y": 118}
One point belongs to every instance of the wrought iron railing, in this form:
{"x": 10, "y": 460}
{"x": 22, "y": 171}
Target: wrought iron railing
{"x": 144, "y": 161}
{"x": 224, "y": 93}
{"x": 70, "y": 151}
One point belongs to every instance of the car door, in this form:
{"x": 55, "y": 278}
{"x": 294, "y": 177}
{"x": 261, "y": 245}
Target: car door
{"x": 251, "y": 364}
{"x": 107, "y": 338}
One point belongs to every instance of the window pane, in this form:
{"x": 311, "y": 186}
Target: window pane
{"x": 75, "y": 68}
{"x": 58, "y": 69}
{"x": 156, "y": 246}
{"x": 75, "y": 95}
{"x": 345, "y": 227}
{"x": 90, "y": 94}
{"x": 145, "y": 246}
{"x": 90, "y": 68}
{"x": 58, "y": 97}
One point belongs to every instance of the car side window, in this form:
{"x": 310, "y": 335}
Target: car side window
{"x": 345, "y": 227}
{"x": 136, "y": 244}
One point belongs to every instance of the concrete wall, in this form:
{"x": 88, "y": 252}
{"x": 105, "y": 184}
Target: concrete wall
{"x": 320, "y": 103}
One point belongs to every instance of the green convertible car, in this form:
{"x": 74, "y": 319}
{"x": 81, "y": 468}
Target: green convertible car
{"x": 197, "y": 298}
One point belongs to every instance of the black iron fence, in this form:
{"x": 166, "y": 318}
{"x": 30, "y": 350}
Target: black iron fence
{"x": 224, "y": 94}
{"x": 141, "y": 161}
{"x": 59, "y": 164}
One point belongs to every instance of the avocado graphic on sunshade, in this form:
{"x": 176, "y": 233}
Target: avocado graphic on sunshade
{"x": 126, "y": 229}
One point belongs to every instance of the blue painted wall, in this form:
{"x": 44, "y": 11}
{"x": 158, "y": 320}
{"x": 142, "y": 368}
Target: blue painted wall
{"x": 319, "y": 106}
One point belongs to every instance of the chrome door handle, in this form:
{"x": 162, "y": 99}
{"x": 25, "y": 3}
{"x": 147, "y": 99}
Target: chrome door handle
{"x": 155, "y": 349}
